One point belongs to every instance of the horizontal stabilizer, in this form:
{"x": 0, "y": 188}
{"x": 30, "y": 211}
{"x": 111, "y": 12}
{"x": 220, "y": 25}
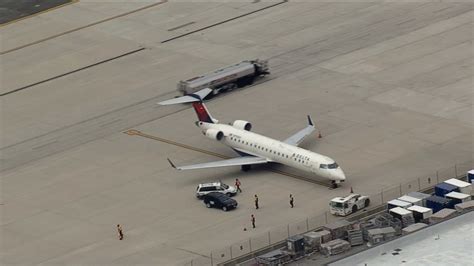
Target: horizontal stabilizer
{"x": 188, "y": 98}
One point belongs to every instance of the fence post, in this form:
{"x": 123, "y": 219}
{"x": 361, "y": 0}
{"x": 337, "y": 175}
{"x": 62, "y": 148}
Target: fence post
{"x": 269, "y": 239}
{"x": 400, "y": 189}
{"x": 456, "y": 170}
{"x": 288, "y": 229}
{"x": 212, "y": 262}
{"x": 191, "y": 262}
{"x": 437, "y": 177}
{"x": 250, "y": 244}
{"x": 381, "y": 195}
{"x": 307, "y": 225}
{"x": 326, "y": 216}
{"x": 230, "y": 248}
{"x": 419, "y": 184}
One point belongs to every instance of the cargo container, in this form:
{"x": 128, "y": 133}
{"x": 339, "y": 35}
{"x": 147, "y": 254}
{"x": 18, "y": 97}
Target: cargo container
{"x": 419, "y": 195}
{"x": 442, "y": 215}
{"x": 463, "y": 187}
{"x": 404, "y": 215}
{"x": 412, "y": 200}
{"x": 442, "y": 189}
{"x": 456, "y": 197}
{"x": 295, "y": 244}
{"x": 398, "y": 203}
{"x": 470, "y": 176}
{"x": 437, "y": 203}
{"x": 420, "y": 214}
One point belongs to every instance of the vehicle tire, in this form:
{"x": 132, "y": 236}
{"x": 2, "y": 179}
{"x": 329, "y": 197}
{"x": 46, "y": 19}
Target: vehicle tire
{"x": 366, "y": 203}
{"x": 224, "y": 208}
{"x": 354, "y": 208}
{"x": 208, "y": 205}
{"x": 228, "y": 194}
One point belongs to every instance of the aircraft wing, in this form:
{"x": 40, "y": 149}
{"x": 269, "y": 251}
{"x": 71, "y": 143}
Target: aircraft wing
{"x": 229, "y": 162}
{"x": 297, "y": 138}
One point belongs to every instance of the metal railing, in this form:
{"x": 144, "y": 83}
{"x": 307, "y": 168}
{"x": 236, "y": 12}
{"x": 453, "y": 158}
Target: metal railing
{"x": 277, "y": 235}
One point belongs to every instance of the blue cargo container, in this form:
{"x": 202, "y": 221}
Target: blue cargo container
{"x": 437, "y": 203}
{"x": 442, "y": 189}
{"x": 470, "y": 176}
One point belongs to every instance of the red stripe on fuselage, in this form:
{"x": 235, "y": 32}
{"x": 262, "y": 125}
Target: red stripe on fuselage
{"x": 201, "y": 112}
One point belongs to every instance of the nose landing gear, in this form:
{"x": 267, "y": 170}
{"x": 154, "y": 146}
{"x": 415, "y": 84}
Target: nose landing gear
{"x": 334, "y": 184}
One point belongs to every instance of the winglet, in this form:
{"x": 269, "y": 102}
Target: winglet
{"x": 310, "y": 122}
{"x": 172, "y": 164}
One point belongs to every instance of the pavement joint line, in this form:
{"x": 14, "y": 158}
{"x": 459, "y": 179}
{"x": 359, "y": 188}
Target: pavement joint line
{"x": 73, "y": 71}
{"x": 38, "y": 13}
{"x": 134, "y": 132}
{"x": 82, "y": 27}
{"x": 224, "y": 21}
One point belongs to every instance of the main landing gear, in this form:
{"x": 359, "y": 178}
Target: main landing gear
{"x": 245, "y": 168}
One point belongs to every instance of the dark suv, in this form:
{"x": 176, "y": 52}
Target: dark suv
{"x": 219, "y": 200}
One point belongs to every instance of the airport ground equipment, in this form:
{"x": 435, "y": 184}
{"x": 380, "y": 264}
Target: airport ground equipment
{"x": 419, "y": 195}
{"x": 412, "y": 200}
{"x": 403, "y": 215}
{"x": 470, "y": 176}
{"x": 464, "y": 187}
{"x": 355, "y": 237}
{"x": 442, "y": 215}
{"x": 343, "y": 206}
{"x": 295, "y": 245}
{"x": 338, "y": 228}
{"x": 414, "y": 227}
{"x": 442, "y": 189}
{"x": 227, "y": 78}
{"x": 421, "y": 214}
{"x": 335, "y": 247}
{"x": 398, "y": 203}
{"x": 379, "y": 235}
{"x": 315, "y": 239}
{"x": 437, "y": 203}
{"x": 273, "y": 258}
{"x": 456, "y": 197}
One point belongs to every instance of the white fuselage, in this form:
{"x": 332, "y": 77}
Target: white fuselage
{"x": 277, "y": 151}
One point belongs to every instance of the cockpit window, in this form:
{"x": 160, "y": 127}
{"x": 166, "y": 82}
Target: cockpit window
{"x": 329, "y": 166}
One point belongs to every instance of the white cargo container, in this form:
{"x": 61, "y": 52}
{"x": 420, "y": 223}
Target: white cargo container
{"x": 458, "y": 197}
{"x": 419, "y": 195}
{"x": 420, "y": 213}
{"x": 398, "y": 203}
{"x": 412, "y": 200}
{"x": 464, "y": 187}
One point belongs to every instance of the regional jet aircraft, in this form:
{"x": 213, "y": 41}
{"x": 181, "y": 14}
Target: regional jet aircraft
{"x": 257, "y": 149}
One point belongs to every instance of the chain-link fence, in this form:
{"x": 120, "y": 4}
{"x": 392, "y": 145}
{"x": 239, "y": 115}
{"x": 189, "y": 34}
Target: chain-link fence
{"x": 278, "y": 234}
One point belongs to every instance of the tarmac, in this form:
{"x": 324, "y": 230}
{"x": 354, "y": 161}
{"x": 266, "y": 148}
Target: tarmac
{"x": 388, "y": 84}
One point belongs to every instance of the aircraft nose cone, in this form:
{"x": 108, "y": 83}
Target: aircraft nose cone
{"x": 339, "y": 175}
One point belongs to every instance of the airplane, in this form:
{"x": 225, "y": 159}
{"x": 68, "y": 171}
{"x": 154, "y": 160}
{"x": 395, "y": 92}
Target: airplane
{"x": 255, "y": 149}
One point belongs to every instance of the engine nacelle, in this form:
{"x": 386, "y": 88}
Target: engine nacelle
{"x": 242, "y": 124}
{"x": 214, "y": 134}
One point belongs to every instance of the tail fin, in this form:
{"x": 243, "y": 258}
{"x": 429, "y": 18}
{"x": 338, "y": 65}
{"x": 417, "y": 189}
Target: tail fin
{"x": 196, "y": 98}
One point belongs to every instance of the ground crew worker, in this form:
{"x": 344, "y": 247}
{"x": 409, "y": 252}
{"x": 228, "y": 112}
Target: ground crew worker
{"x": 237, "y": 185}
{"x": 252, "y": 219}
{"x": 120, "y": 232}
{"x": 256, "y": 202}
{"x": 291, "y": 201}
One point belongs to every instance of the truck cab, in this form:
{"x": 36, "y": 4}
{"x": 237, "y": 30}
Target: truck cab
{"x": 343, "y": 206}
